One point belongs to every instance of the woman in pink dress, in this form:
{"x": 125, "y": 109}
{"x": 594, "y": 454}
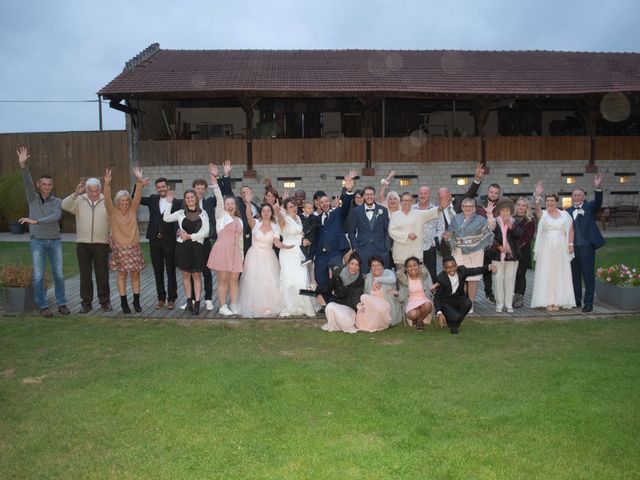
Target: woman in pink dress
{"x": 415, "y": 288}
{"x": 375, "y": 310}
{"x": 227, "y": 252}
{"x": 260, "y": 294}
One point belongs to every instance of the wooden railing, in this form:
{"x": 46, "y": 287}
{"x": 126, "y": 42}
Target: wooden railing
{"x": 190, "y": 152}
{"x": 425, "y": 149}
{"x": 501, "y": 149}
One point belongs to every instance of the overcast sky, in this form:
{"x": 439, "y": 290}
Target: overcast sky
{"x": 68, "y": 50}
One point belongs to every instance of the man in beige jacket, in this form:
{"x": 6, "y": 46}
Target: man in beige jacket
{"x": 92, "y": 241}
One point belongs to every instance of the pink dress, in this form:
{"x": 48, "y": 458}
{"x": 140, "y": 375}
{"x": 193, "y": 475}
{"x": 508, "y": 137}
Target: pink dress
{"x": 226, "y": 254}
{"x": 417, "y": 296}
{"x": 374, "y": 312}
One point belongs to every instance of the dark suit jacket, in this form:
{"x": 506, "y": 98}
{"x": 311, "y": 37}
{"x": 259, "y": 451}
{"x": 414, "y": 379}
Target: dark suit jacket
{"x": 513, "y": 236}
{"x": 344, "y": 295}
{"x": 444, "y": 291}
{"x": 363, "y": 233}
{"x": 156, "y": 223}
{"x": 587, "y": 225}
{"x": 331, "y": 237}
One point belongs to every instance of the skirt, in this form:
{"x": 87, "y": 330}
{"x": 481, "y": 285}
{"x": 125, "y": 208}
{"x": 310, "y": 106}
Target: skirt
{"x": 470, "y": 260}
{"x": 190, "y": 256}
{"x": 127, "y": 258}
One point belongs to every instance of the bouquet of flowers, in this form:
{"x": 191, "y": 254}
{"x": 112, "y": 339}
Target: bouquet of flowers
{"x": 619, "y": 275}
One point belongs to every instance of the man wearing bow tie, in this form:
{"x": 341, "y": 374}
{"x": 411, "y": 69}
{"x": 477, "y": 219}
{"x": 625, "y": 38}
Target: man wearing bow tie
{"x": 368, "y": 230}
{"x": 587, "y": 239}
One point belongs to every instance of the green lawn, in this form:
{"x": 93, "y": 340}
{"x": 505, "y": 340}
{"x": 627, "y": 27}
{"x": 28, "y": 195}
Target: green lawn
{"x": 96, "y": 398}
{"x": 19, "y": 252}
{"x": 617, "y": 250}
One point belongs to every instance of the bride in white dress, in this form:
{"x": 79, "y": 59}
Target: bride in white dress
{"x": 293, "y": 275}
{"x": 552, "y": 283}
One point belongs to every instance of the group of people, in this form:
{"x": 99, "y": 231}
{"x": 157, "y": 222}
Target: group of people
{"x": 368, "y": 261}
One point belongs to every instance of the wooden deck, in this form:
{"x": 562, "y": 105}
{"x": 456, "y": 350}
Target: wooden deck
{"x": 483, "y": 309}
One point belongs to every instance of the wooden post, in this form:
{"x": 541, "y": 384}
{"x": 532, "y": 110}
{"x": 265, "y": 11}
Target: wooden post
{"x": 248, "y": 104}
{"x": 480, "y": 115}
{"x": 369, "y": 105}
{"x": 100, "y": 111}
{"x": 589, "y": 111}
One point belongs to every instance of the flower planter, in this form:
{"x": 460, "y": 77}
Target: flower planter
{"x": 18, "y": 299}
{"x": 16, "y": 228}
{"x": 619, "y": 297}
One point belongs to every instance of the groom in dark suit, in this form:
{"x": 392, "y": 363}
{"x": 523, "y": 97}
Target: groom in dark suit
{"x": 450, "y": 300}
{"x": 369, "y": 230}
{"x": 162, "y": 244}
{"x": 587, "y": 239}
{"x": 332, "y": 243}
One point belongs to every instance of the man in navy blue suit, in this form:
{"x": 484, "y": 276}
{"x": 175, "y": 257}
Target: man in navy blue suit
{"x": 332, "y": 242}
{"x": 587, "y": 239}
{"x": 369, "y": 229}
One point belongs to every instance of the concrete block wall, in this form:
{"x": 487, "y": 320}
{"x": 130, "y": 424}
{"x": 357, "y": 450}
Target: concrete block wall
{"x": 323, "y": 177}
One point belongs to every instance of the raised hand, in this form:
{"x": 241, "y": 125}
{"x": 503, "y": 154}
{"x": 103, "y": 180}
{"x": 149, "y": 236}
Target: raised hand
{"x": 81, "y": 188}
{"x": 107, "y": 176}
{"x": 227, "y": 167}
{"x": 390, "y": 176}
{"x": 137, "y": 171}
{"x": 23, "y": 156}
{"x": 266, "y": 182}
{"x": 348, "y": 179}
{"x": 490, "y": 208}
{"x": 479, "y": 171}
{"x": 597, "y": 180}
{"x": 247, "y": 195}
{"x": 285, "y": 195}
{"x": 539, "y": 189}
{"x": 145, "y": 181}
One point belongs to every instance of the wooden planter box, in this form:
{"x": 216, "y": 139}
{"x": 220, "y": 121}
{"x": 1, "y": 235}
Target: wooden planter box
{"x": 619, "y": 297}
{"x": 18, "y": 300}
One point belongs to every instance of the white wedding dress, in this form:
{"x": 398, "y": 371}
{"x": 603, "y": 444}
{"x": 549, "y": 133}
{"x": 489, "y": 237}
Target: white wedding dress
{"x": 294, "y": 276}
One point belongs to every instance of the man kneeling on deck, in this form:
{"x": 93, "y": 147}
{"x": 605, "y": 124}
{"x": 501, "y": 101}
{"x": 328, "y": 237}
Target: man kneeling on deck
{"x": 451, "y": 301}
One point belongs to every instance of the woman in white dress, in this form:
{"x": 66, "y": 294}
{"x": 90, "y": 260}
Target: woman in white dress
{"x": 260, "y": 294}
{"x": 552, "y": 284}
{"x": 293, "y": 275}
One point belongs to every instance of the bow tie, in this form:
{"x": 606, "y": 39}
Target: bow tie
{"x": 369, "y": 209}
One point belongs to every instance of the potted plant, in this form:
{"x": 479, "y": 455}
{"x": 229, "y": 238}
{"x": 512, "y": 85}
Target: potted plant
{"x": 13, "y": 201}
{"x": 619, "y": 285}
{"x": 16, "y": 282}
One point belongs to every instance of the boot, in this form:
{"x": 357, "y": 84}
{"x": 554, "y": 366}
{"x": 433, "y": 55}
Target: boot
{"x": 518, "y": 300}
{"x": 136, "y": 302}
{"x": 124, "y": 304}
{"x": 189, "y": 307}
{"x": 196, "y": 308}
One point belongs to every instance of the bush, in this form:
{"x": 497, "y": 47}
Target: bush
{"x": 13, "y": 201}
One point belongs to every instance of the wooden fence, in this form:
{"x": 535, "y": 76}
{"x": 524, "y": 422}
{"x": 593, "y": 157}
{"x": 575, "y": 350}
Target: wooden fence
{"x": 68, "y": 156}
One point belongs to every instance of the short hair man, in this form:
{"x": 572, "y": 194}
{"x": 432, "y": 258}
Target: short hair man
{"x": 92, "y": 241}
{"x": 44, "y": 226}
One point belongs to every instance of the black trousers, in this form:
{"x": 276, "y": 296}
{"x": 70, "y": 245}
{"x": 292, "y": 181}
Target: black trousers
{"x": 455, "y": 309}
{"x": 207, "y": 276}
{"x": 521, "y": 279}
{"x": 429, "y": 258}
{"x": 486, "y": 277}
{"x": 93, "y": 257}
{"x": 163, "y": 256}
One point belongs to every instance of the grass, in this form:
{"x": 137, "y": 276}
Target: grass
{"x": 19, "y": 252}
{"x": 616, "y": 250}
{"x": 97, "y": 398}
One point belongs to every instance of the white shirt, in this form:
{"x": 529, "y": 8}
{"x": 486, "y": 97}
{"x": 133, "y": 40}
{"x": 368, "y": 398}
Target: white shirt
{"x": 455, "y": 282}
{"x": 163, "y": 204}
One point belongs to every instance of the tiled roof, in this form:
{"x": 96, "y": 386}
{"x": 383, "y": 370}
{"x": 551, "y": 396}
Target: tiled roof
{"x": 198, "y": 73}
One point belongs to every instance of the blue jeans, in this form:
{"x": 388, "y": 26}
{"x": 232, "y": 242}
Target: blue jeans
{"x": 40, "y": 249}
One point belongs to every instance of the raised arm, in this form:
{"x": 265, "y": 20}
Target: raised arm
{"x": 108, "y": 201}
{"x": 170, "y": 214}
{"x": 29, "y": 189}
{"x": 537, "y": 194}
{"x": 246, "y": 198}
{"x": 137, "y": 190}
{"x": 384, "y": 185}
{"x": 597, "y": 201}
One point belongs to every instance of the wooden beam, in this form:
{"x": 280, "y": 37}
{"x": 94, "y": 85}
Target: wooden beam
{"x": 248, "y": 104}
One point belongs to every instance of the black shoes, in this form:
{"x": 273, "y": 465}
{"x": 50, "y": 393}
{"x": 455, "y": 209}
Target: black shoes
{"x": 587, "y": 308}
{"x": 136, "y": 303}
{"x": 454, "y": 330}
{"x": 63, "y": 310}
{"x": 85, "y": 308}
{"x": 491, "y": 299}
{"x": 45, "y": 312}
{"x": 124, "y": 304}
{"x": 195, "y": 309}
